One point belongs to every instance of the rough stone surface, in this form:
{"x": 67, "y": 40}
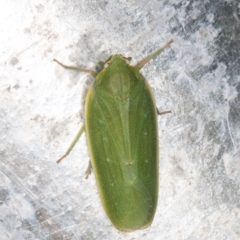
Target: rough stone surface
{"x": 41, "y": 109}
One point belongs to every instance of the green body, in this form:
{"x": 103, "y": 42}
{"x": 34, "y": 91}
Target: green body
{"x": 121, "y": 129}
{"x": 122, "y": 136}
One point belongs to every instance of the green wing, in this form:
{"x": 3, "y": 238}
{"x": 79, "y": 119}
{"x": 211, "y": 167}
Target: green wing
{"x": 121, "y": 130}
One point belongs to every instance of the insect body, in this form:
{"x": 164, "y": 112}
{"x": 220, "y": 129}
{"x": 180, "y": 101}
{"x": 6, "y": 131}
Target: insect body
{"x": 122, "y": 137}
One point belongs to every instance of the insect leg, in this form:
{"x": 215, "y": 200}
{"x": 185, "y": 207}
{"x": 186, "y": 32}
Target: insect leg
{"x": 164, "y": 112}
{"x": 140, "y": 64}
{"x": 89, "y": 169}
{"x": 72, "y": 144}
{"x": 76, "y": 68}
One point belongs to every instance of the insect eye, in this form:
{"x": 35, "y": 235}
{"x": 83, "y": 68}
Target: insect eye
{"x": 106, "y": 64}
{"x": 127, "y": 59}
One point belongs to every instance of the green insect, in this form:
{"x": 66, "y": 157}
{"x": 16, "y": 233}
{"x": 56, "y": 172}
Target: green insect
{"x": 122, "y": 136}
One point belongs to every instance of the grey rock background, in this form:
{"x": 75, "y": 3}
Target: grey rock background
{"x": 41, "y": 109}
